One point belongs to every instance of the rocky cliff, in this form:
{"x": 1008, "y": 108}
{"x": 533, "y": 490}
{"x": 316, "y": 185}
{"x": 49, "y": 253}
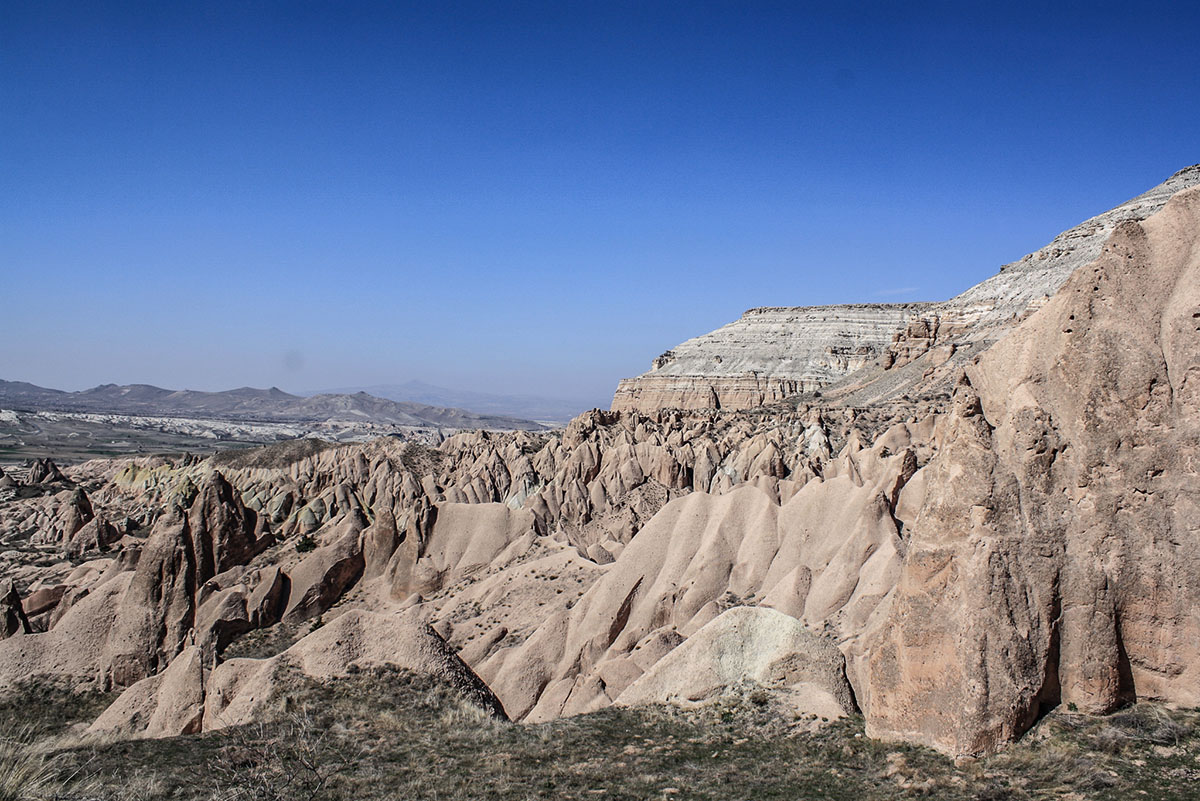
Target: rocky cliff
{"x": 1054, "y": 559}
{"x": 766, "y": 356}
{"x": 951, "y": 564}
{"x": 770, "y": 354}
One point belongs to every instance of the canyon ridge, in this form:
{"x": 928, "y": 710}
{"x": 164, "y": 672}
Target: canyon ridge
{"x": 948, "y": 517}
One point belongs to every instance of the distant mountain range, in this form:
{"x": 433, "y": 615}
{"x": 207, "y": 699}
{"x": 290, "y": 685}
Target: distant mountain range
{"x": 532, "y": 407}
{"x": 250, "y": 405}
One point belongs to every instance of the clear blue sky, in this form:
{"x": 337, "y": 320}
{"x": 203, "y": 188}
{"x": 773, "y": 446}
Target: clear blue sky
{"x": 538, "y": 197}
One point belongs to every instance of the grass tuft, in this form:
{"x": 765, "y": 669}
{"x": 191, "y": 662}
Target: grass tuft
{"x": 391, "y": 734}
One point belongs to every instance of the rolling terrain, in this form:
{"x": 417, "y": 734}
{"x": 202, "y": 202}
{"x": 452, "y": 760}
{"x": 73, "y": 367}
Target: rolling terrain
{"x": 976, "y": 540}
{"x": 112, "y": 420}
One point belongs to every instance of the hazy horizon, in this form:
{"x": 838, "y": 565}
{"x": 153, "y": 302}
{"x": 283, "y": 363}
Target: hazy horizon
{"x": 310, "y": 391}
{"x": 536, "y": 199}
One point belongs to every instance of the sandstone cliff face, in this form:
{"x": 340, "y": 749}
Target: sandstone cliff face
{"x": 770, "y": 354}
{"x": 766, "y": 356}
{"x": 1055, "y": 557}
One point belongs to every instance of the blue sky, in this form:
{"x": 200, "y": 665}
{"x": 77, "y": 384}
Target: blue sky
{"x": 538, "y": 198}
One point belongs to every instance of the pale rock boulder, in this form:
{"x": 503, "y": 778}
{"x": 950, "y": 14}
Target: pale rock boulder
{"x": 750, "y": 645}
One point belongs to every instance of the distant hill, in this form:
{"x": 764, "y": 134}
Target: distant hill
{"x": 250, "y": 405}
{"x": 532, "y": 407}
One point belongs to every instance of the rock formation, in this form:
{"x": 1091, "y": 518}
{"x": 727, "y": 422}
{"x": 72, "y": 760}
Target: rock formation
{"x": 750, "y": 645}
{"x": 189, "y": 696}
{"x": 773, "y": 353}
{"x": 44, "y": 471}
{"x": 12, "y": 615}
{"x": 981, "y": 517}
{"x": 1055, "y": 557}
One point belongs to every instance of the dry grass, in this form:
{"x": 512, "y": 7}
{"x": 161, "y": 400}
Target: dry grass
{"x": 388, "y": 734}
{"x": 276, "y": 455}
{"x": 422, "y": 458}
{"x": 25, "y": 772}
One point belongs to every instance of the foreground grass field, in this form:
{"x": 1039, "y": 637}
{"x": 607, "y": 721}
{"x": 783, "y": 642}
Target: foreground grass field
{"x": 394, "y": 735}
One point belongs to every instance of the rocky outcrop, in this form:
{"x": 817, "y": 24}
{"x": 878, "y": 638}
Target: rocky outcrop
{"x": 156, "y": 617}
{"x": 169, "y": 704}
{"x": 95, "y": 535}
{"x": 773, "y": 353}
{"x": 1016, "y": 533}
{"x": 1055, "y": 556}
{"x": 189, "y": 697}
{"x": 323, "y": 575}
{"x": 767, "y": 355}
{"x": 75, "y": 643}
{"x": 43, "y": 599}
{"x": 75, "y": 514}
{"x": 772, "y": 543}
{"x": 238, "y": 691}
{"x": 238, "y": 602}
{"x": 12, "y": 615}
{"x": 755, "y": 646}
{"x": 44, "y": 471}
{"x": 464, "y": 539}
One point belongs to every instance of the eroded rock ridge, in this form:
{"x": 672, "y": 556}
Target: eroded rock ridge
{"x": 950, "y": 541}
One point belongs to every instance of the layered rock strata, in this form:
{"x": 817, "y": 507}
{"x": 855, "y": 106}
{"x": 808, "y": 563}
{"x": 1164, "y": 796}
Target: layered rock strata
{"x": 766, "y": 356}
{"x": 770, "y": 354}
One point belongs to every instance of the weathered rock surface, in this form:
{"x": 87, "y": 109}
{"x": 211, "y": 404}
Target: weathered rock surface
{"x": 750, "y": 645}
{"x": 12, "y": 615}
{"x": 189, "y": 697}
{"x": 768, "y": 544}
{"x": 464, "y": 539}
{"x": 766, "y": 356}
{"x": 74, "y": 645}
{"x": 168, "y": 704}
{"x": 773, "y": 353}
{"x": 237, "y": 691}
{"x": 1055, "y": 558}
{"x": 44, "y": 471}
{"x": 324, "y": 575}
{"x": 157, "y": 615}
{"x": 987, "y": 521}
